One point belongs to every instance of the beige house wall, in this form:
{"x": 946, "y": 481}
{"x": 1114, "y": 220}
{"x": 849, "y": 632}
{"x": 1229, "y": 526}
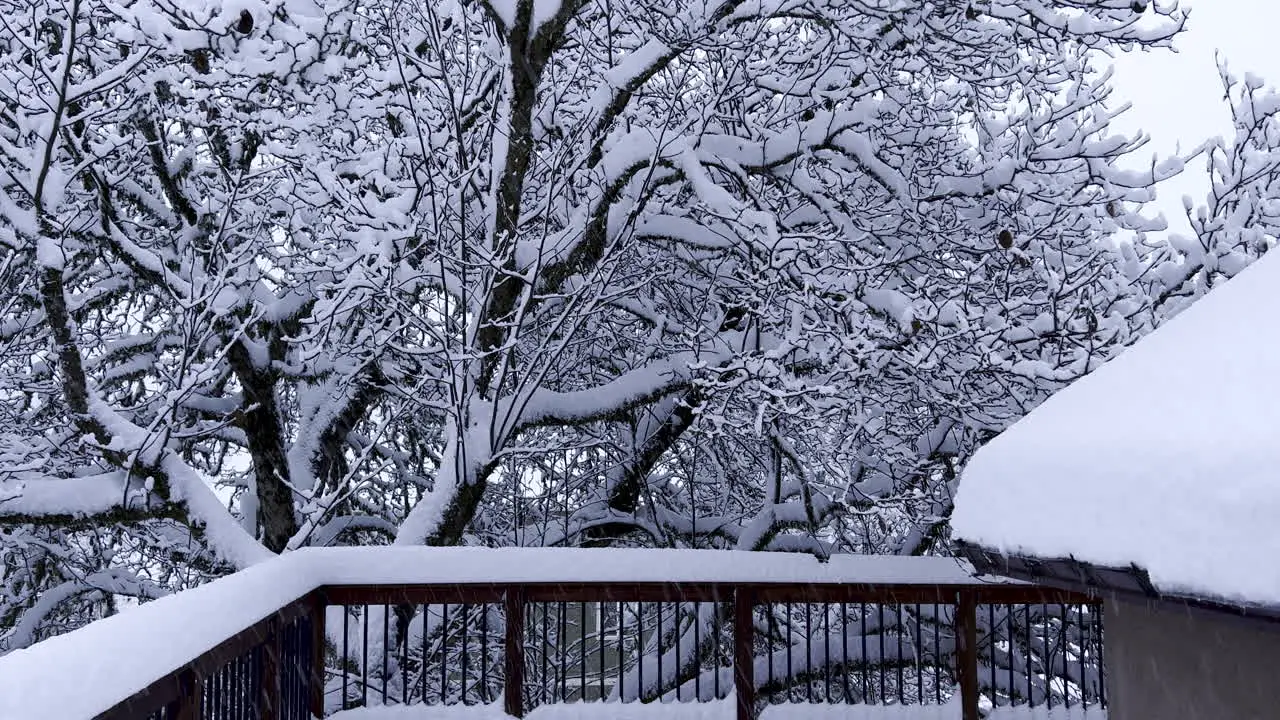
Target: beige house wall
{"x": 1166, "y": 662}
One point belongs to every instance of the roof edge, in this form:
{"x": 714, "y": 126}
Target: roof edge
{"x": 1131, "y": 583}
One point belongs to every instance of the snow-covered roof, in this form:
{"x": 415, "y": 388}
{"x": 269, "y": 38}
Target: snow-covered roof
{"x": 115, "y": 657}
{"x": 1167, "y": 457}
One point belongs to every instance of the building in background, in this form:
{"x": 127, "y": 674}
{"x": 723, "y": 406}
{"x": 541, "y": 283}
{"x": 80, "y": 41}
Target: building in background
{"x": 1155, "y": 482}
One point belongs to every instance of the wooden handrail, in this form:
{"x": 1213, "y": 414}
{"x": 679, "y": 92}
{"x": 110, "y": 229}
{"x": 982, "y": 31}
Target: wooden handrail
{"x": 179, "y": 692}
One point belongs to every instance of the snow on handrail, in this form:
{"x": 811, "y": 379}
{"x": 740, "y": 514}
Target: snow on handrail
{"x": 89, "y": 671}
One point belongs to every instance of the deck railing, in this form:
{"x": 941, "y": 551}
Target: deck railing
{"x": 530, "y": 644}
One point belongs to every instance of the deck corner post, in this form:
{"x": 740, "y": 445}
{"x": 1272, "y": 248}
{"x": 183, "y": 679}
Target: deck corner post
{"x": 744, "y": 678}
{"x": 315, "y": 696}
{"x": 189, "y": 705}
{"x": 966, "y": 629}
{"x": 513, "y": 602}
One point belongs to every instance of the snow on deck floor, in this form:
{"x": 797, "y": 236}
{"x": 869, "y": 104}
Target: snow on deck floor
{"x": 725, "y": 710}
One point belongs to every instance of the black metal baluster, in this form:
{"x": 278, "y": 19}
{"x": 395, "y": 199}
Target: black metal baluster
{"x": 866, "y": 675}
{"x": 844, "y": 647}
{"x": 582, "y": 652}
{"x": 255, "y": 673}
{"x": 288, "y": 658}
{"x": 229, "y": 683}
{"x": 302, "y": 665}
{"x": 1030, "y": 674}
{"x": 640, "y": 651}
{"x": 662, "y": 679}
{"x": 444, "y": 657}
{"x": 249, "y": 685}
{"x": 386, "y": 638}
{"x": 991, "y": 640}
{"x": 219, "y": 693}
{"x": 215, "y": 697}
{"x": 791, "y": 677}
{"x": 424, "y": 652}
{"x": 246, "y": 684}
{"x": 919, "y": 653}
{"x": 233, "y": 688}
{"x": 466, "y": 619}
{"x": 242, "y": 685}
{"x": 600, "y": 634}
{"x": 808, "y": 651}
{"x": 1099, "y": 618}
{"x": 622, "y": 694}
{"x": 897, "y": 630}
{"x": 364, "y": 663}
{"x": 1047, "y": 657}
{"x": 299, "y": 674}
{"x": 563, "y": 641}
{"x": 291, "y": 669}
{"x": 404, "y": 660}
{"x": 826, "y": 653}
{"x": 768, "y": 610}
{"x": 715, "y": 655}
{"x": 880, "y": 613}
{"x": 555, "y": 649}
{"x": 1084, "y": 654}
{"x": 484, "y": 654}
{"x": 548, "y": 689}
{"x": 282, "y": 676}
{"x": 346, "y": 655}
{"x": 284, "y": 673}
{"x": 1013, "y": 637}
{"x": 937, "y": 653}
{"x": 697, "y": 651}
{"x": 530, "y": 642}
{"x": 1065, "y": 643}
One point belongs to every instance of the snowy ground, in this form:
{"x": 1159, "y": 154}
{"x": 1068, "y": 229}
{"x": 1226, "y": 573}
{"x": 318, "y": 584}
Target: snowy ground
{"x": 711, "y": 711}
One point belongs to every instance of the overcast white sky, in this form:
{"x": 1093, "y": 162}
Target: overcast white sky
{"x": 1177, "y": 97}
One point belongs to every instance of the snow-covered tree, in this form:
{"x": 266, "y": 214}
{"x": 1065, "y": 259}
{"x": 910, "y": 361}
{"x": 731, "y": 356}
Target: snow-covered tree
{"x": 1240, "y": 217}
{"x": 723, "y": 274}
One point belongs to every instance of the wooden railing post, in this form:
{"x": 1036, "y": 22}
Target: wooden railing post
{"x": 744, "y": 657}
{"x": 188, "y": 706}
{"x": 315, "y": 699}
{"x": 966, "y": 629}
{"x": 513, "y": 651}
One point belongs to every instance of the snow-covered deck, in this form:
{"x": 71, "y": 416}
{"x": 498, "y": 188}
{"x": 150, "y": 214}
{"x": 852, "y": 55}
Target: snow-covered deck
{"x": 229, "y": 632}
